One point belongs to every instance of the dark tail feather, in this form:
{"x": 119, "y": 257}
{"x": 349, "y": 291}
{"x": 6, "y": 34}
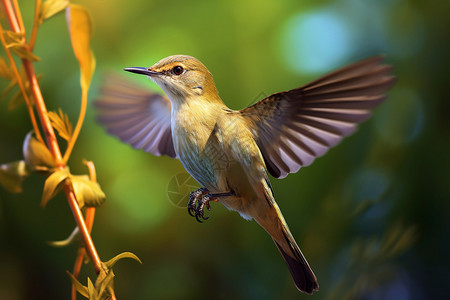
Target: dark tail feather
{"x": 273, "y": 222}
{"x": 303, "y": 276}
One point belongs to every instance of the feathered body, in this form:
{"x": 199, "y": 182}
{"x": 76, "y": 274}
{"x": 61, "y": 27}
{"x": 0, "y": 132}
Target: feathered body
{"x": 232, "y": 152}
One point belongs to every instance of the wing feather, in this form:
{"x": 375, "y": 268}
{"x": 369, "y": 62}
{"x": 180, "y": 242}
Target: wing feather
{"x": 136, "y": 116}
{"x": 292, "y": 128}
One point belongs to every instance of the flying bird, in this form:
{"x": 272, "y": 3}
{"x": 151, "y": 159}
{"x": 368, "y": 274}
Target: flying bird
{"x": 231, "y": 152}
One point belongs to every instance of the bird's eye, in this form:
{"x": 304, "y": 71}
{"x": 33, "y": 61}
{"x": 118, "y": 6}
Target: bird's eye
{"x": 177, "y": 70}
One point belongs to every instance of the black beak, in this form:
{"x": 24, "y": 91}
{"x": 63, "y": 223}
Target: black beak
{"x": 142, "y": 71}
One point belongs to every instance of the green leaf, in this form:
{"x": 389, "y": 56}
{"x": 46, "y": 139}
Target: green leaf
{"x": 110, "y": 263}
{"x": 91, "y": 290}
{"x": 104, "y": 286}
{"x": 36, "y": 154}
{"x": 53, "y": 185}
{"x": 16, "y": 42}
{"x": 60, "y": 121}
{"x": 88, "y": 193}
{"x": 80, "y": 30}
{"x": 12, "y": 175}
{"x": 23, "y": 52}
{"x": 50, "y": 8}
{"x": 78, "y": 286}
{"x": 12, "y": 37}
{"x": 73, "y": 237}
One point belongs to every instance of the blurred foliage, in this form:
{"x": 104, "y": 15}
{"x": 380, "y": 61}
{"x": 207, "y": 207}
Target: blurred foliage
{"x": 371, "y": 216}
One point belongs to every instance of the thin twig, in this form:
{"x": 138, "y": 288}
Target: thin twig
{"x": 19, "y": 17}
{"x": 77, "y": 268}
{"x": 90, "y": 215}
{"x": 42, "y": 113}
{"x": 21, "y": 86}
{"x": 11, "y": 16}
{"x": 77, "y": 129}
{"x": 36, "y": 24}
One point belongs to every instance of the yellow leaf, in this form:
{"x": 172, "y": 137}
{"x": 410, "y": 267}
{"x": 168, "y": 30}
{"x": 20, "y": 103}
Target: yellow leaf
{"x": 91, "y": 290}
{"x": 74, "y": 236}
{"x": 16, "y": 42}
{"x": 78, "y": 286}
{"x": 88, "y": 193}
{"x": 53, "y": 185}
{"x": 110, "y": 263}
{"x": 104, "y": 285}
{"x": 36, "y": 154}
{"x": 60, "y": 121}
{"x": 12, "y": 37}
{"x": 5, "y": 70}
{"x": 50, "y": 8}
{"x": 12, "y": 175}
{"x": 80, "y": 29}
{"x": 22, "y": 52}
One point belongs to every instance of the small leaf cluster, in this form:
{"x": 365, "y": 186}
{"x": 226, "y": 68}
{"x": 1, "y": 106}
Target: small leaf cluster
{"x": 104, "y": 285}
{"x": 38, "y": 158}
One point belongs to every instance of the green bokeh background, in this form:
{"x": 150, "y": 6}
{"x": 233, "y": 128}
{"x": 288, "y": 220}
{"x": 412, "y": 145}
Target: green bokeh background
{"x": 371, "y": 216}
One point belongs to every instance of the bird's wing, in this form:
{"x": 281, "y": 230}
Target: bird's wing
{"x": 136, "y": 116}
{"x": 292, "y": 128}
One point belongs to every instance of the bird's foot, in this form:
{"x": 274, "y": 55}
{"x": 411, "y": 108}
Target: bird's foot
{"x": 201, "y": 204}
{"x": 200, "y": 199}
{"x": 194, "y": 201}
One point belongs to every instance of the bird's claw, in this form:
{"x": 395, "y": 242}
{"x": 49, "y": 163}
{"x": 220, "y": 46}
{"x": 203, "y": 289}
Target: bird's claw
{"x": 197, "y": 202}
{"x": 193, "y": 199}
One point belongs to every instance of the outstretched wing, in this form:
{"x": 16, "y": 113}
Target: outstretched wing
{"x": 292, "y": 128}
{"x": 136, "y": 116}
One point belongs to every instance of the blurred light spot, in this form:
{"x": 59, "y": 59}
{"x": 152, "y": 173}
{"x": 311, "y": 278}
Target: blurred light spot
{"x": 401, "y": 118}
{"x": 398, "y": 291}
{"x": 366, "y": 189}
{"x": 369, "y": 21}
{"x": 315, "y": 42}
{"x": 400, "y": 287}
{"x": 368, "y": 184}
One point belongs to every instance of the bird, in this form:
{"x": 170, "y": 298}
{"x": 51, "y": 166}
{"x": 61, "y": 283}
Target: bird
{"x": 231, "y": 153}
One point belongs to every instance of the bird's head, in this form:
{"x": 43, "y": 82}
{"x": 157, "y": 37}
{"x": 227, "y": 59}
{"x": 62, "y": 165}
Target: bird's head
{"x": 181, "y": 77}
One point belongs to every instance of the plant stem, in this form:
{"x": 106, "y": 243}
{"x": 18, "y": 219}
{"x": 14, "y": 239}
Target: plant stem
{"x": 90, "y": 215}
{"x": 21, "y": 86}
{"x": 52, "y": 143}
{"x": 77, "y": 268}
{"x": 33, "y": 35}
{"x": 77, "y": 129}
{"x": 11, "y": 16}
{"x": 19, "y": 17}
{"x": 41, "y": 109}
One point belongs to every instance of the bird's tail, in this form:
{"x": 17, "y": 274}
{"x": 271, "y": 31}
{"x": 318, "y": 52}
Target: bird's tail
{"x": 273, "y": 222}
{"x": 303, "y": 276}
